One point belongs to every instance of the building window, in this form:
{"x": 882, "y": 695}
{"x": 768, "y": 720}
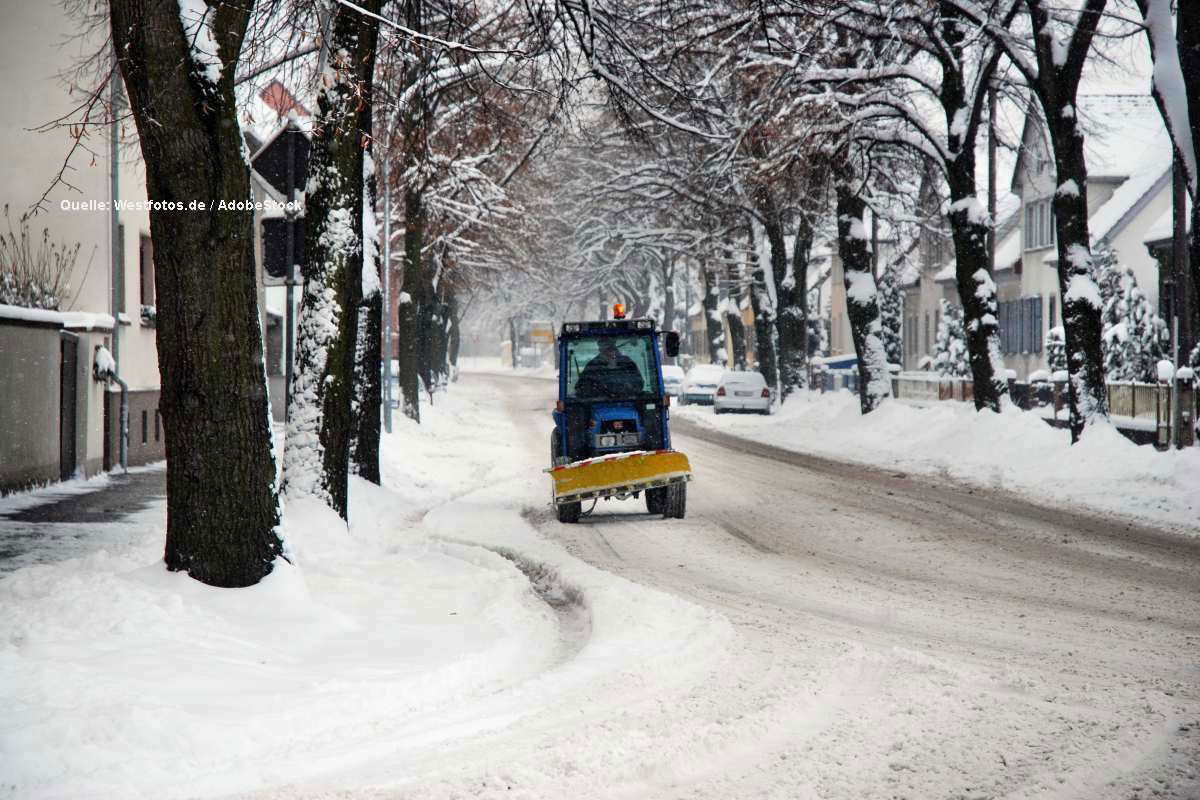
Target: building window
{"x": 144, "y": 426}
{"x": 1039, "y": 225}
{"x": 146, "y": 268}
{"x": 157, "y": 425}
{"x": 1020, "y": 325}
{"x": 1052, "y": 314}
{"x": 926, "y": 331}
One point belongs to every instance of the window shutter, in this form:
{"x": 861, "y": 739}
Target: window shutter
{"x": 1002, "y": 319}
{"x": 1022, "y": 326}
{"x": 119, "y": 278}
{"x": 1036, "y": 306}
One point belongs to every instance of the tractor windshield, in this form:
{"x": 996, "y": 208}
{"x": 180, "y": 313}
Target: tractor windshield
{"x": 611, "y": 368}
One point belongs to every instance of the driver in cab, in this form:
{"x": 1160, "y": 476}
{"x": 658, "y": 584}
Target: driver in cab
{"x": 610, "y": 375}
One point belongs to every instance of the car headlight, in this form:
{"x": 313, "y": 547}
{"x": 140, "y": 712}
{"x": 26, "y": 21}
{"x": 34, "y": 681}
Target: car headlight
{"x": 631, "y": 438}
{"x": 606, "y": 440}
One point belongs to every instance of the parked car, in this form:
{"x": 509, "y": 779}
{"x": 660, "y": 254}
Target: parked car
{"x": 742, "y": 391}
{"x": 673, "y": 378}
{"x": 701, "y": 384}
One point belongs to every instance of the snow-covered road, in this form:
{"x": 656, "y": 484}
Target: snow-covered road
{"x": 897, "y": 636}
{"x": 812, "y": 629}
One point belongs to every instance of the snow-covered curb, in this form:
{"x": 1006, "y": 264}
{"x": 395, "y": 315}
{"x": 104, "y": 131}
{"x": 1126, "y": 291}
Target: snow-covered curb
{"x": 1016, "y": 451}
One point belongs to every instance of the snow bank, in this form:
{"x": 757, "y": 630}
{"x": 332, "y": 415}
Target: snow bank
{"x": 1013, "y": 450}
{"x": 366, "y": 661}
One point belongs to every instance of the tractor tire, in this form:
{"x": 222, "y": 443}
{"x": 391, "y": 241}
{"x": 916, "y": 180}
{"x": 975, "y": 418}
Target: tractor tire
{"x": 656, "y": 500}
{"x": 568, "y": 512}
{"x": 675, "y": 501}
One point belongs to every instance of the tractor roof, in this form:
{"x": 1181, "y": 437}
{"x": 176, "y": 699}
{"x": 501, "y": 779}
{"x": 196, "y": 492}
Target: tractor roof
{"x": 607, "y": 326}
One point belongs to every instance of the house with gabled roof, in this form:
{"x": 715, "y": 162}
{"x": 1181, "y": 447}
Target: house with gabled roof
{"x": 1128, "y": 156}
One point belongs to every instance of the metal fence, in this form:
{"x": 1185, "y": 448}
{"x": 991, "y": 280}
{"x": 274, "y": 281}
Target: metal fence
{"x": 1141, "y": 407}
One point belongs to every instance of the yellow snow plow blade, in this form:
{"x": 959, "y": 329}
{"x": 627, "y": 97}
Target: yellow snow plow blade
{"x": 618, "y": 475}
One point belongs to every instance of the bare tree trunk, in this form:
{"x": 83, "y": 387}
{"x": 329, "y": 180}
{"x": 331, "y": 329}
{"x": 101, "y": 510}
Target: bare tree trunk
{"x": 320, "y": 427}
{"x": 455, "y": 334}
{"x": 368, "y": 393}
{"x": 737, "y": 333}
{"x": 368, "y": 352}
{"x": 406, "y": 357}
{"x": 969, "y": 224}
{"x": 668, "y": 291}
{"x": 976, "y": 290}
{"x": 862, "y": 300}
{"x": 1056, "y": 85}
{"x": 1187, "y": 36}
{"x": 1081, "y": 307}
{"x": 1185, "y": 134}
{"x": 792, "y": 291}
{"x": 766, "y": 332}
{"x": 439, "y": 344}
{"x": 222, "y": 505}
{"x": 408, "y": 324}
{"x": 512, "y": 338}
{"x": 712, "y": 318}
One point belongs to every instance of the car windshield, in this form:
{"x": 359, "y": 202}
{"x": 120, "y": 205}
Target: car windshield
{"x": 610, "y": 367}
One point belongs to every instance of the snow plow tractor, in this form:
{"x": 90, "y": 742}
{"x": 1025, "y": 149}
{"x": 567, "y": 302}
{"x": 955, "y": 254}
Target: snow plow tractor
{"x": 610, "y": 437}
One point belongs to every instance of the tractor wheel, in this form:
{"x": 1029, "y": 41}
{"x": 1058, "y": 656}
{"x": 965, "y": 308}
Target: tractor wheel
{"x": 656, "y": 500}
{"x": 675, "y": 501}
{"x": 568, "y": 512}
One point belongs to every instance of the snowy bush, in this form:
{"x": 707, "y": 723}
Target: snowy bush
{"x": 1134, "y": 337}
{"x": 1056, "y": 349}
{"x": 818, "y": 324}
{"x": 950, "y": 349}
{"x": 34, "y": 276}
{"x": 891, "y": 313}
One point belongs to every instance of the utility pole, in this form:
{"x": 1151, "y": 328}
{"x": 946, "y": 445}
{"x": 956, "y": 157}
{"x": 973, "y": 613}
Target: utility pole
{"x": 290, "y": 212}
{"x": 118, "y": 262}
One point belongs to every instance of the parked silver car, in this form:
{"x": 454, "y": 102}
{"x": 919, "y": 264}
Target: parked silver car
{"x": 742, "y": 391}
{"x": 673, "y": 378}
{"x": 701, "y": 384}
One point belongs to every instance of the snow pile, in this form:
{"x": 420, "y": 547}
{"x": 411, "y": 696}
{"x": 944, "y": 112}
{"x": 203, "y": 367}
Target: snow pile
{"x": 1014, "y": 450}
{"x": 374, "y": 659}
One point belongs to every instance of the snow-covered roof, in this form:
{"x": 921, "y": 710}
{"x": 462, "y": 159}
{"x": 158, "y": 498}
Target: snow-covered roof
{"x": 1163, "y": 228}
{"x": 264, "y": 110}
{"x": 1117, "y": 127}
{"x": 73, "y": 320}
{"x": 1008, "y": 252}
{"x": 1007, "y": 206}
{"x": 1126, "y": 140}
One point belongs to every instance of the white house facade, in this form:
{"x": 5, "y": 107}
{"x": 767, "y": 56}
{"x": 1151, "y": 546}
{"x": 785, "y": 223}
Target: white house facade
{"x": 1128, "y": 189}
